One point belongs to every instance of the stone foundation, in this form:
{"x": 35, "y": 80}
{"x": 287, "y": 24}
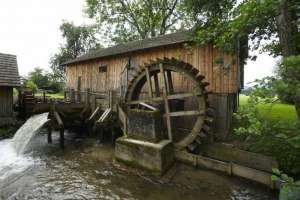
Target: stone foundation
{"x": 155, "y": 157}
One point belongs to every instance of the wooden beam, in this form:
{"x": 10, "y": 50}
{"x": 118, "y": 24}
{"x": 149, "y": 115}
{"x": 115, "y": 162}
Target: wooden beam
{"x": 156, "y": 84}
{"x": 167, "y": 106}
{"x": 185, "y": 113}
{"x": 158, "y": 99}
{"x": 93, "y": 115}
{"x": 148, "y": 106}
{"x": 181, "y": 96}
{"x": 105, "y": 115}
{"x": 149, "y": 83}
{"x": 110, "y": 98}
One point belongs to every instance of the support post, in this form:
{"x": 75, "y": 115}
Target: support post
{"x": 113, "y": 135}
{"x": 87, "y": 98}
{"x": 62, "y": 138}
{"x": 72, "y": 96}
{"x": 110, "y": 98}
{"x": 61, "y": 129}
{"x": 79, "y": 96}
{"x": 49, "y": 129}
{"x": 166, "y": 101}
{"x": 65, "y": 96}
{"x": 44, "y": 96}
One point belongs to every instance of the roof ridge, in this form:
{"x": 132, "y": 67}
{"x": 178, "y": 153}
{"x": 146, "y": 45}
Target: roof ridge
{"x": 7, "y": 54}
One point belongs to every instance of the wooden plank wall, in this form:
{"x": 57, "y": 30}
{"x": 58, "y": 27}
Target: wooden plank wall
{"x": 6, "y": 101}
{"x": 220, "y": 69}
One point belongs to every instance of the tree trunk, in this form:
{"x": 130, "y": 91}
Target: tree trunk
{"x": 297, "y": 106}
{"x": 289, "y": 36}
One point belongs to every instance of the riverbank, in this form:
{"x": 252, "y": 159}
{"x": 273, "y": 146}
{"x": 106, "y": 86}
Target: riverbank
{"x": 87, "y": 170}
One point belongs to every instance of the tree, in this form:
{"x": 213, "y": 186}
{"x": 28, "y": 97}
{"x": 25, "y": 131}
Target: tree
{"x": 78, "y": 41}
{"x": 31, "y": 85}
{"x": 39, "y": 77}
{"x": 127, "y": 20}
{"x": 273, "y": 21}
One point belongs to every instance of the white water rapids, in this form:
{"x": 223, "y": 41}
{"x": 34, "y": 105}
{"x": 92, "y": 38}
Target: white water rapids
{"x": 12, "y": 159}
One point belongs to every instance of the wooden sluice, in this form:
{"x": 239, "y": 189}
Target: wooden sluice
{"x": 88, "y": 109}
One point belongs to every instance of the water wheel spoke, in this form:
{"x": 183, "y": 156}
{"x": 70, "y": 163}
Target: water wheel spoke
{"x": 149, "y": 83}
{"x": 167, "y": 106}
{"x": 186, "y": 113}
{"x": 159, "y": 99}
{"x": 170, "y": 88}
{"x": 180, "y": 96}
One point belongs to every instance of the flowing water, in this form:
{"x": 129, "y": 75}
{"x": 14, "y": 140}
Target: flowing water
{"x": 11, "y": 159}
{"x": 86, "y": 170}
{"x": 27, "y": 132}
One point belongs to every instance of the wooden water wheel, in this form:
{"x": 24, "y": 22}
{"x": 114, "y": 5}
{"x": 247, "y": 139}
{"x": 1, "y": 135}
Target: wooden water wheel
{"x": 153, "y": 84}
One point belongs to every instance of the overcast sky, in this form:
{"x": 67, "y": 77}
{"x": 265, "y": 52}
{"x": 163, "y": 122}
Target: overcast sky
{"x": 30, "y": 30}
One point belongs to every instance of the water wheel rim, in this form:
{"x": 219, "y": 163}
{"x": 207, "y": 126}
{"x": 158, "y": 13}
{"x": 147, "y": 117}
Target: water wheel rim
{"x": 136, "y": 84}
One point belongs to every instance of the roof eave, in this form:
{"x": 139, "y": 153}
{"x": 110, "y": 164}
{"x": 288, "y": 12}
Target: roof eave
{"x": 122, "y": 53}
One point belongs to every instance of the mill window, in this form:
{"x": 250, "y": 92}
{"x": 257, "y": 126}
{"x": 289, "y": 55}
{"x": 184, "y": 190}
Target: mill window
{"x": 102, "y": 68}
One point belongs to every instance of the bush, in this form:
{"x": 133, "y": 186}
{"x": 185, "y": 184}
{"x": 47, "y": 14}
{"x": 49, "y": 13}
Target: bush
{"x": 31, "y": 85}
{"x": 274, "y": 138}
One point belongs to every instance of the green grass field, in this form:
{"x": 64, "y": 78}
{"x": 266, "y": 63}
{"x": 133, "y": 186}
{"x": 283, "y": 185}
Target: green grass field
{"x": 55, "y": 96}
{"x": 277, "y": 111}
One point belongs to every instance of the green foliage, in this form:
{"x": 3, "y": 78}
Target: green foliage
{"x": 290, "y": 76}
{"x": 277, "y": 137}
{"x": 39, "y": 77}
{"x": 127, "y": 20}
{"x": 247, "y": 118}
{"x": 289, "y": 72}
{"x": 227, "y": 22}
{"x": 290, "y": 189}
{"x": 78, "y": 41}
{"x": 31, "y": 85}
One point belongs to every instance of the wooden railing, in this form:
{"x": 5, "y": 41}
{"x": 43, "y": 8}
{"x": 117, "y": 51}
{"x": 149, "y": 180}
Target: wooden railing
{"x": 92, "y": 98}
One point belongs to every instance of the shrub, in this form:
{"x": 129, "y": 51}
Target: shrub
{"x": 31, "y": 85}
{"x": 274, "y": 138}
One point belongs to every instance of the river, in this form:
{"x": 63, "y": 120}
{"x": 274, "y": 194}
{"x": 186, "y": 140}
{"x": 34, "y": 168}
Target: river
{"x": 87, "y": 170}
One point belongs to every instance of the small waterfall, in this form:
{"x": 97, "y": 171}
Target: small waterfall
{"x": 27, "y": 131}
{"x": 12, "y": 160}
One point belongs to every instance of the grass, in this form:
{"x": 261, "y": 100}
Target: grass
{"x": 273, "y": 112}
{"x": 54, "y": 96}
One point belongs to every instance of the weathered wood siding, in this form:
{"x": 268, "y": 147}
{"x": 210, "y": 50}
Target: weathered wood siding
{"x": 6, "y": 101}
{"x": 220, "y": 69}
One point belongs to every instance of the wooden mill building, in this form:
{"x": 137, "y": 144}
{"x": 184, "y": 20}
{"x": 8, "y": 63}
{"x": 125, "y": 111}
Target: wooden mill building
{"x": 111, "y": 69}
{"x": 9, "y": 79}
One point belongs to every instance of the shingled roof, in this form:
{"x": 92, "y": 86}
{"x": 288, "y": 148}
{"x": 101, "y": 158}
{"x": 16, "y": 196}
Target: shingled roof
{"x": 9, "y": 75}
{"x": 164, "y": 40}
